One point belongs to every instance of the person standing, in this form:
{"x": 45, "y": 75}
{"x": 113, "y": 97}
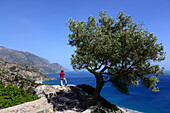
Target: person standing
{"x": 62, "y": 78}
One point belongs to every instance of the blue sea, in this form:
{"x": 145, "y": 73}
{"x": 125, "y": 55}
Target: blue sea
{"x": 140, "y": 98}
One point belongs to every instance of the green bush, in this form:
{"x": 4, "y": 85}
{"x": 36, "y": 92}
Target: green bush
{"x": 89, "y": 89}
{"x": 11, "y": 96}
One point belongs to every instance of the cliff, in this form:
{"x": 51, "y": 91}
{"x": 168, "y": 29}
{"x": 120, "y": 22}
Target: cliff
{"x": 26, "y": 58}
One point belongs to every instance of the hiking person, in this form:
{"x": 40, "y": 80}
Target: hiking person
{"x": 63, "y": 78}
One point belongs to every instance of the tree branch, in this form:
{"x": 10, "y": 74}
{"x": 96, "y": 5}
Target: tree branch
{"x": 104, "y": 69}
{"x": 89, "y": 70}
{"x": 134, "y": 63}
{"x": 97, "y": 68}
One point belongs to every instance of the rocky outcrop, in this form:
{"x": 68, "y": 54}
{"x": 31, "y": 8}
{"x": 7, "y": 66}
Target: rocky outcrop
{"x": 69, "y": 99}
{"x": 65, "y": 98}
{"x": 26, "y": 58}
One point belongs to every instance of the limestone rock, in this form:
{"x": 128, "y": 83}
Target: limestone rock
{"x": 65, "y": 98}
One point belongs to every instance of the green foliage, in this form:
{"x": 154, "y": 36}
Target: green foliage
{"x": 10, "y": 96}
{"x": 90, "y": 90}
{"x": 118, "y": 50}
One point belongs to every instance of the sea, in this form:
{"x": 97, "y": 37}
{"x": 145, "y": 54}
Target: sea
{"x": 140, "y": 99}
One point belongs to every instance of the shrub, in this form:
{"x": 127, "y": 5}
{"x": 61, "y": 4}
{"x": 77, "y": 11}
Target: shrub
{"x": 11, "y": 96}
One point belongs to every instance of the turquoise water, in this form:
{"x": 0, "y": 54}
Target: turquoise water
{"x": 140, "y": 98}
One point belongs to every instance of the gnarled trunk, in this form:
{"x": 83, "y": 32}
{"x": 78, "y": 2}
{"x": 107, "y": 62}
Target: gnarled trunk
{"x": 99, "y": 86}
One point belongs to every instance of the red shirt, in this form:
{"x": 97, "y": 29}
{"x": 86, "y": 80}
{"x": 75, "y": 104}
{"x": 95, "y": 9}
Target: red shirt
{"x": 62, "y": 75}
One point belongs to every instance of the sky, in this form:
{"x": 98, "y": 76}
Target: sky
{"x": 38, "y": 26}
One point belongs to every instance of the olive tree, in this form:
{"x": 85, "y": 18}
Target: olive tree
{"x": 119, "y": 51}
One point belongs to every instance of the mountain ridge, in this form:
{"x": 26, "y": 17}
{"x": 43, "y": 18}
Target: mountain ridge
{"x": 27, "y": 58}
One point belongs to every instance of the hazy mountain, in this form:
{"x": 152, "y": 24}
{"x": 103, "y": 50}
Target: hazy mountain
{"x": 19, "y": 57}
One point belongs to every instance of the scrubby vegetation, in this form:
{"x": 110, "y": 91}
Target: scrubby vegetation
{"x": 8, "y": 78}
{"x": 11, "y": 95}
{"x": 90, "y": 90}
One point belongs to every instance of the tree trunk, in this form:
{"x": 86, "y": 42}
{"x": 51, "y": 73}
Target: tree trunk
{"x": 99, "y": 86}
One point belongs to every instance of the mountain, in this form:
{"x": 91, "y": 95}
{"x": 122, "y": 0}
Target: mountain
{"x": 26, "y": 58}
{"x": 22, "y": 76}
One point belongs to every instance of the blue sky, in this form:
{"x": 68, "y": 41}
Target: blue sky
{"x": 38, "y": 26}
